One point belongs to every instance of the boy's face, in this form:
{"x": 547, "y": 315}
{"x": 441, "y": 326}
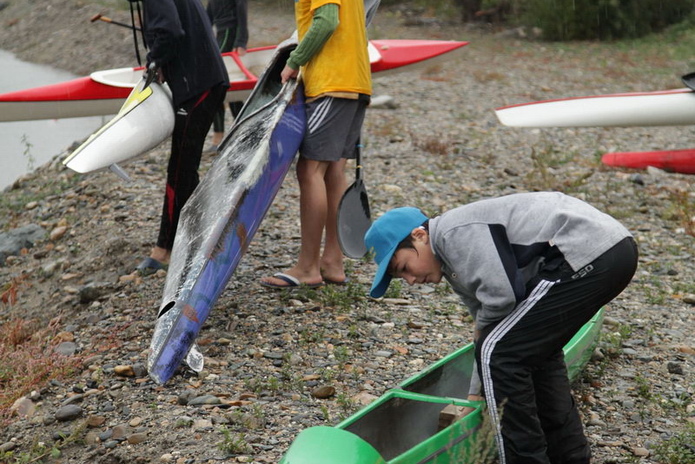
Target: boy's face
{"x": 418, "y": 265}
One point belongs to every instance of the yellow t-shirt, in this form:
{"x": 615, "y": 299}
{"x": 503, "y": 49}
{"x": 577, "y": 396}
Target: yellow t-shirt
{"x": 342, "y": 65}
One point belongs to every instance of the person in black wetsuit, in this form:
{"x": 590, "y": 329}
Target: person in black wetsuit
{"x": 181, "y": 45}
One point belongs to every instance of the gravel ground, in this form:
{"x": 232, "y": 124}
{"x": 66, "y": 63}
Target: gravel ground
{"x": 267, "y": 352}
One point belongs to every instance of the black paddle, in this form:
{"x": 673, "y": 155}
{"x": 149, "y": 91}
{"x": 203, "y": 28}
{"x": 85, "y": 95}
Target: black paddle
{"x": 689, "y": 80}
{"x": 354, "y": 217}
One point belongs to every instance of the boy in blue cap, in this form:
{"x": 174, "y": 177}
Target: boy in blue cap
{"x": 532, "y": 269}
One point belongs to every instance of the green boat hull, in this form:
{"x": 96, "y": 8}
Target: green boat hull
{"x": 402, "y": 426}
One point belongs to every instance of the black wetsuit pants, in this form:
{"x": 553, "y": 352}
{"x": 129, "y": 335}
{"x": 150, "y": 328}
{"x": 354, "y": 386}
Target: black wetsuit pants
{"x": 192, "y": 122}
{"x": 521, "y": 362}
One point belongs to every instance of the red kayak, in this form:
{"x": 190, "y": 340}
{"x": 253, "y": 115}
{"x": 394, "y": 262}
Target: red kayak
{"x": 681, "y": 161}
{"x": 104, "y": 92}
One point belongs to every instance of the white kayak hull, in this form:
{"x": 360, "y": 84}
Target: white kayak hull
{"x": 662, "y": 108}
{"x": 144, "y": 121}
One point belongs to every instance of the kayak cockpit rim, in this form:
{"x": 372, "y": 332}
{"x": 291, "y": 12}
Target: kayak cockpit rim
{"x": 283, "y": 49}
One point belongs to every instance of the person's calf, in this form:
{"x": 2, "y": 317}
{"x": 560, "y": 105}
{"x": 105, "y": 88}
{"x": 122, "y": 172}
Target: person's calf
{"x": 217, "y": 138}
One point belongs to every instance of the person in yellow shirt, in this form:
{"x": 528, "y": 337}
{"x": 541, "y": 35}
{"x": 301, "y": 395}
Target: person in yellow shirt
{"x": 334, "y": 62}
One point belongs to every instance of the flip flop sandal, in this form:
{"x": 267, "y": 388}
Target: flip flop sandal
{"x": 290, "y": 282}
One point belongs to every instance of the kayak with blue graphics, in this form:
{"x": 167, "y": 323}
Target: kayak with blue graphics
{"x": 222, "y": 215}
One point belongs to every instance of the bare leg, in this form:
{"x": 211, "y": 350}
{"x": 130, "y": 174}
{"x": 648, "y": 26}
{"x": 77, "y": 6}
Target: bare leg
{"x": 332, "y": 259}
{"x": 217, "y": 138}
{"x": 313, "y": 211}
{"x": 160, "y": 254}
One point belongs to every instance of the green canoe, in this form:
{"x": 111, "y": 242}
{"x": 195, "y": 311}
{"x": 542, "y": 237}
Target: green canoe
{"x": 402, "y": 426}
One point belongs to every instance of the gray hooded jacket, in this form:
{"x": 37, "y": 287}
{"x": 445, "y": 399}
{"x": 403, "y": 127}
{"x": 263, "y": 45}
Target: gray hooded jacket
{"x": 491, "y": 248}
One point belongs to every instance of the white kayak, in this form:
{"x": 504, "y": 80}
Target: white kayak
{"x": 661, "y": 108}
{"x": 144, "y": 121}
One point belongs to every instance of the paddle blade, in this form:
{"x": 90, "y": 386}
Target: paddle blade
{"x": 354, "y": 219}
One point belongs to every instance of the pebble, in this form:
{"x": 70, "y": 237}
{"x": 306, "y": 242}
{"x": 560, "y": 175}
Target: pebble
{"x": 68, "y": 413}
{"x": 135, "y": 422}
{"x": 23, "y": 407}
{"x": 675, "y": 368}
{"x": 96, "y": 421}
{"x": 204, "y": 400}
{"x": 323, "y": 392}
{"x": 119, "y": 432}
{"x": 202, "y": 424}
{"x": 7, "y": 447}
{"x": 124, "y": 370}
{"x": 58, "y": 233}
{"x": 137, "y": 438}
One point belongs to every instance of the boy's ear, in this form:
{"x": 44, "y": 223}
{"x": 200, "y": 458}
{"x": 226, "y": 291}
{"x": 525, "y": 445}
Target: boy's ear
{"x": 419, "y": 233}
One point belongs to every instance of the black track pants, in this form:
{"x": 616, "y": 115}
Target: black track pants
{"x": 521, "y": 363}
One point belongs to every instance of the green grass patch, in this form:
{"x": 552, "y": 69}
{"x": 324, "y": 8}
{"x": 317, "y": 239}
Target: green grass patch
{"x": 679, "y": 449}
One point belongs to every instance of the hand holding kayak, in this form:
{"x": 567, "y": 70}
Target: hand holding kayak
{"x": 288, "y": 73}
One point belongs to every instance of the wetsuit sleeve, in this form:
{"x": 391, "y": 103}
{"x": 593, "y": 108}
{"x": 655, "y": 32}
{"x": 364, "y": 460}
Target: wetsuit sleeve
{"x": 163, "y": 31}
{"x": 242, "y": 27}
{"x": 323, "y": 24}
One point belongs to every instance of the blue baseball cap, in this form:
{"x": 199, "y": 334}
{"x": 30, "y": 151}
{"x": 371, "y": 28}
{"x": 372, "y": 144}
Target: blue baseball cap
{"x": 383, "y": 238}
